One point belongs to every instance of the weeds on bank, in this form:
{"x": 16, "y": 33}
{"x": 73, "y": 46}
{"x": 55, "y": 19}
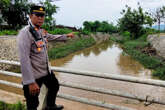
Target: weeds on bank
{"x": 76, "y": 45}
{"x": 5, "y": 106}
{"x": 60, "y": 31}
{"x": 134, "y": 48}
{"x": 8, "y": 32}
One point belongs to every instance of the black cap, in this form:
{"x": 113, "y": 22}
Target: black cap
{"x": 37, "y": 9}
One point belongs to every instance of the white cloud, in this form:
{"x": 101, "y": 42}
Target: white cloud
{"x": 74, "y": 12}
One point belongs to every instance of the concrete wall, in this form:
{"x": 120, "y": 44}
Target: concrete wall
{"x": 158, "y": 42}
{"x": 8, "y": 49}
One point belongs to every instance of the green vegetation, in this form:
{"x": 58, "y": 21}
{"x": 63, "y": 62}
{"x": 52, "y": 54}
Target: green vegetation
{"x": 155, "y": 63}
{"x": 18, "y": 106}
{"x": 133, "y": 37}
{"x": 75, "y": 45}
{"x": 98, "y": 26}
{"x": 9, "y": 10}
{"x": 21, "y": 8}
{"x": 60, "y": 31}
{"x": 8, "y": 32}
{"x": 159, "y": 16}
{"x": 50, "y": 10}
{"x": 133, "y": 21}
{"x": 138, "y": 50}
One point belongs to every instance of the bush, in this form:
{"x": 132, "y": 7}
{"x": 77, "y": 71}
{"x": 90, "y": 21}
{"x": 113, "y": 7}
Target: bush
{"x": 18, "y": 106}
{"x": 159, "y": 72}
{"x": 85, "y": 32}
{"x": 126, "y": 34}
{"x": 60, "y": 31}
{"x": 98, "y": 26}
{"x": 134, "y": 20}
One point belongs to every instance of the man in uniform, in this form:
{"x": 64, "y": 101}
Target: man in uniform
{"x": 32, "y": 46}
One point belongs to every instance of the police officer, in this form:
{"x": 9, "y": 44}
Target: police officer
{"x": 32, "y": 41}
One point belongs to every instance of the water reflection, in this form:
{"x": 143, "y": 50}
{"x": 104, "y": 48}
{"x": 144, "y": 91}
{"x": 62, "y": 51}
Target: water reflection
{"x": 103, "y": 57}
{"x": 128, "y": 65}
{"x": 95, "y": 50}
{"x": 108, "y": 58}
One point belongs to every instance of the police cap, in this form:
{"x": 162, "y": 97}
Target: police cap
{"x": 37, "y": 10}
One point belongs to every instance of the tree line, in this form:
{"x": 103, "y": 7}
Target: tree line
{"x": 135, "y": 21}
{"x": 15, "y": 12}
{"x": 98, "y": 26}
{"x": 138, "y": 21}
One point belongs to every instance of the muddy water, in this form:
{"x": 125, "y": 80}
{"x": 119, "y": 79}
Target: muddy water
{"x": 106, "y": 57}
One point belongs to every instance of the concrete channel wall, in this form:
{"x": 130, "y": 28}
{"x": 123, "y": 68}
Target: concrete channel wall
{"x": 158, "y": 42}
{"x": 8, "y": 49}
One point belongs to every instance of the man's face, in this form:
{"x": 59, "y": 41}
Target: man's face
{"x": 37, "y": 19}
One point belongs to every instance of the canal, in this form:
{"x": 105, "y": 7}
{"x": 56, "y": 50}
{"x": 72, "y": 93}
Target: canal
{"x": 108, "y": 57}
{"x": 105, "y": 57}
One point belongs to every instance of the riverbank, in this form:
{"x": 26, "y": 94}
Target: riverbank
{"x": 8, "y": 49}
{"x": 99, "y": 57}
{"x": 143, "y": 51}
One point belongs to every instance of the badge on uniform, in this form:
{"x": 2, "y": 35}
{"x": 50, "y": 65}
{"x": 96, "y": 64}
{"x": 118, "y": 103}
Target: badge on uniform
{"x": 39, "y": 45}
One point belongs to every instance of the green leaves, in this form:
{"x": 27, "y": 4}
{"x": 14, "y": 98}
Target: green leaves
{"x": 50, "y": 10}
{"x": 18, "y": 106}
{"x": 98, "y": 26}
{"x": 8, "y": 32}
{"x": 4, "y": 3}
{"x": 133, "y": 21}
{"x": 60, "y": 31}
{"x": 15, "y": 14}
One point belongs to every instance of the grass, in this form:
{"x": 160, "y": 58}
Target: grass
{"x": 60, "y": 31}
{"x": 5, "y": 106}
{"x": 55, "y": 31}
{"x": 134, "y": 48}
{"x": 8, "y": 32}
{"x": 74, "y": 46}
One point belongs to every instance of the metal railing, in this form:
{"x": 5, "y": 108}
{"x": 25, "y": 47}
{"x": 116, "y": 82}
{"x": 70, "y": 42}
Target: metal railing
{"x": 94, "y": 89}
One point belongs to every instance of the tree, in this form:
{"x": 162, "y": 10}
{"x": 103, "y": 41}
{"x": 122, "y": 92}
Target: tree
{"x": 163, "y": 15}
{"x": 157, "y": 16}
{"x": 50, "y": 10}
{"x": 4, "y": 3}
{"x": 133, "y": 21}
{"x": 98, "y": 26}
{"x": 15, "y": 13}
{"x": 87, "y": 26}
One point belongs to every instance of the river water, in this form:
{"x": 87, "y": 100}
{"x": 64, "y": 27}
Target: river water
{"x": 108, "y": 57}
{"x": 105, "y": 57}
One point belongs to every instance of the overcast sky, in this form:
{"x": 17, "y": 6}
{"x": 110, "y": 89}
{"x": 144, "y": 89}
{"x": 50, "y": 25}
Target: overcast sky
{"x": 75, "y": 12}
